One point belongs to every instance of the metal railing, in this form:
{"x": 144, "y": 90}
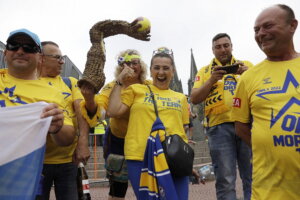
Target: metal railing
{"x": 94, "y": 142}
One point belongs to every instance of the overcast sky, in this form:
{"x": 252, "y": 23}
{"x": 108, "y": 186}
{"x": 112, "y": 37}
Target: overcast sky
{"x": 178, "y": 24}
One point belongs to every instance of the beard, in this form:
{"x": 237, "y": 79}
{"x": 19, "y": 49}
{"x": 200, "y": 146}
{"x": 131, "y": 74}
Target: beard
{"x": 224, "y": 59}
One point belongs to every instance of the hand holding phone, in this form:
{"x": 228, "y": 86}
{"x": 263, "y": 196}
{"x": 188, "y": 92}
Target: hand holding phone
{"x": 231, "y": 69}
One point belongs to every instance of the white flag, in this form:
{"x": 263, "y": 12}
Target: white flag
{"x": 22, "y": 142}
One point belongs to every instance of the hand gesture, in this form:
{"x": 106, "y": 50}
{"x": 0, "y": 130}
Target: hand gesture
{"x": 126, "y": 75}
{"x": 87, "y": 91}
{"x": 217, "y": 74}
{"x": 57, "y": 117}
{"x": 242, "y": 68}
{"x": 140, "y": 35}
{"x": 81, "y": 154}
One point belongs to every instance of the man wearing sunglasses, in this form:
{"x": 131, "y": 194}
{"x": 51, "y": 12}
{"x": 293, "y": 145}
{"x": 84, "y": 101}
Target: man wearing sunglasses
{"x": 22, "y": 56}
{"x": 58, "y": 166}
{"x": 19, "y": 85}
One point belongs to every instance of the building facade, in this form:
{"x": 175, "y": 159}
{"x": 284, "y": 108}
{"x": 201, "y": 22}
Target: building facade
{"x": 193, "y": 73}
{"x": 2, "y": 48}
{"x": 176, "y": 83}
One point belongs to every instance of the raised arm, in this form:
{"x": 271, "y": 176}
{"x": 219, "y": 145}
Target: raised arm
{"x": 88, "y": 94}
{"x": 199, "y": 94}
{"x": 115, "y": 27}
{"x": 93, "y": 72}
{"x": 115, "y": 107}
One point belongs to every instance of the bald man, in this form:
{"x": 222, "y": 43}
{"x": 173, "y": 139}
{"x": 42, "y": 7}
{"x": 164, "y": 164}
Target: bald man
{"x": 266, "y": 107}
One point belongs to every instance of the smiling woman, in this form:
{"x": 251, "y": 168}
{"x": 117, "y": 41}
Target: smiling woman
{"x": 162, "y": 68}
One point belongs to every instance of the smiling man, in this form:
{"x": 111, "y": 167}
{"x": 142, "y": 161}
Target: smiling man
{"x": 19, "y": 84}
{"x": 58, "y": 166}
{"x": 216, "y": 89}
{"x": 266, "y": 109}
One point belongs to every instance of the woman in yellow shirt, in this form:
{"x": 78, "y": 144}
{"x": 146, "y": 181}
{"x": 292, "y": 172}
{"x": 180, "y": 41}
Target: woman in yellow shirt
{"x": 92, "y": 105}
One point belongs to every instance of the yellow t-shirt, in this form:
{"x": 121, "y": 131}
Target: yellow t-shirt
{"x": 15, "y": 92}
{"x": 118, "y": 125}
{"x": 268, "y": 95}
{"x": 172, "y": 109}
{"x": 230, "y": 82}
{"x": 56, "y": 154}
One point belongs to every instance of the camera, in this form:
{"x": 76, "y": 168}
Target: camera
{"x": 231, "y": 69}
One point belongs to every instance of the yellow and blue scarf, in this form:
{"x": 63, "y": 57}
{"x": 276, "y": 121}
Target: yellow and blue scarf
{"x": 156, "y": 182}
{"x": 215, "y": 102}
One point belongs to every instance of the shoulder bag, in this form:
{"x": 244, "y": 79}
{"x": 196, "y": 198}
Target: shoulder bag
{"x": 179, "y": 154}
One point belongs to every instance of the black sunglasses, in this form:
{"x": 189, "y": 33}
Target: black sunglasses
{"x": 27, "y": 48}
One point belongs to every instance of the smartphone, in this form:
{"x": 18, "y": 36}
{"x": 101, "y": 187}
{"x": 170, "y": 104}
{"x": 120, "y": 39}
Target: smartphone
{"x": 231, "y": 69}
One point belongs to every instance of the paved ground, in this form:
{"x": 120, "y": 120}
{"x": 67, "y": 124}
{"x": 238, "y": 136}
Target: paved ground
{"x": 196, "y": 192}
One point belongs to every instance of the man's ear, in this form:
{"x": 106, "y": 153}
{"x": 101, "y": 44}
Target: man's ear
{"x": 4, "y": 56}
{"x": 294, "y": 25}
{"x": 41, "y": 58}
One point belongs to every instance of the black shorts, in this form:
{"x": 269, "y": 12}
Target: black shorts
{"x": 118, "y": 189}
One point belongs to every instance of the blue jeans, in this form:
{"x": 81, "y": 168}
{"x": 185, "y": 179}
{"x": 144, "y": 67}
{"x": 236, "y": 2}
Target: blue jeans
{"x": 64, "y": 178}
{"x": 134, "y": 173}
{"x": 227, "y": 150}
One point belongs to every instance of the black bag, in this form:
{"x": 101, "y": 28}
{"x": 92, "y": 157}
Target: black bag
{"x": 179, "y": 154}
{"x": 116, "y": 168}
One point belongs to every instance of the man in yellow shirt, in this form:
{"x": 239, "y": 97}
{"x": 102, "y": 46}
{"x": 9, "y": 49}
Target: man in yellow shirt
{"x": 58, "y": 166}
{"x": 266, "y": 107}
{"x": 19, "y": 84}
{"x": 216, "y": 87}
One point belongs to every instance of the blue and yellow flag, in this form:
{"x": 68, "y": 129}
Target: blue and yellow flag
{"x": 156, "y": 181}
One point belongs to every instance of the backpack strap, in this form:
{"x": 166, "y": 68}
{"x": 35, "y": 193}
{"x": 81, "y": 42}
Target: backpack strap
{"x": 67, "y": 82}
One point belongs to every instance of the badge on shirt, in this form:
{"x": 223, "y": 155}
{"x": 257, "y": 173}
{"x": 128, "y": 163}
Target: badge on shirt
{"x": 237, "y": 102}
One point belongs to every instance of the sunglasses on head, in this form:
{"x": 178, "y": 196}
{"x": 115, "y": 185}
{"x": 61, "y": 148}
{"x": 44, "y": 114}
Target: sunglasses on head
{"x": 163, "y": 51}
{"x": 27, "y": 48}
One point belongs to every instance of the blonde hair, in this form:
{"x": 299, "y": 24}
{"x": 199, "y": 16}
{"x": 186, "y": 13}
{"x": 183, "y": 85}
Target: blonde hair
{"x": 119, "y": 67}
